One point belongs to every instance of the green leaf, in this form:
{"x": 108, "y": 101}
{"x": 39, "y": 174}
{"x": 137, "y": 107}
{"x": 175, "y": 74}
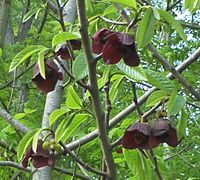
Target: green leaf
{"x": 56, "y": 114}
{"x": 114, "y": 88}
{"x": 25, "y": 54}
{"x": 24, "y": 144}
{"x": 41, "y": 63}
{"x": 156, "y": 13}
{"x": 35, "y": 139}
{"x": 156, "y": 97}
{"x": 80, "y": 67}
{"x": 192, "y": 5}
{"x": 175, "y": 104}
{"x": 130, "y": 3}
{"x": 106, "y": 73}
{"x": 19, "y": 116}
{"x": 73, "y": 101}
{"x": 30, "y": 14}
{"x": 63, "y": 37}
{"x": 69, "y": 126}
{"x": 146, "y": 28}
{"x": 109, "y": 10}
{"x": 135, "y": 73}
{"x": 160, "y": 81}
{"x": 136, "y": 164}
{"x": 1, "y": 52}
{"x": 173, "y": 22}
{"x": 182, "y": 124}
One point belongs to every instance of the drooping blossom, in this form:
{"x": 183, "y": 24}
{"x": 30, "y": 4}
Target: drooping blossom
{"x": 39, "y": 158}
{"x": 114, "y": 46}
{"x": 138, "y": 135}
{"x": 164, "y": 132}
{"x": 52, "y": 76}
{"x": 144, "y": 136}
{"x": 63, "y": 51}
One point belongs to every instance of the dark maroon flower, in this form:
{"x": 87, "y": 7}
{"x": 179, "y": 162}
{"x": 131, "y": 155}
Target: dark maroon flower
{"x": 39, "y": 158}
{"x": 114, "y": 46}
{"x": 164, "y": 132}
{"x": 52, "y": 76}
{"x": 138, "y": 136}
{"x": 63, "y": 51}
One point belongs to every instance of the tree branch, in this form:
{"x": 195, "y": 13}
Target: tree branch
{"x": 107, "y": 152}
{"x": 16, "y": 124}
{"x": 184, "y": 65}
{"x": 175, "y": 73}
{"x": 84, "y": 165}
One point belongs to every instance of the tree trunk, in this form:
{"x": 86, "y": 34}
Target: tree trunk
{"x": 5, "y": 15}
{"x": 54, "y": 98}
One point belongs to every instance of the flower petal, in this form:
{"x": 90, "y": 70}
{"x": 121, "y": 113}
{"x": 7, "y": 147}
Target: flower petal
{"x": 160, "y": 127}
{"x": 130, "y": 56}
{"x": 111, "y": 53}
{"x": 125, "y": 38}
{"x": 172, "y": 139}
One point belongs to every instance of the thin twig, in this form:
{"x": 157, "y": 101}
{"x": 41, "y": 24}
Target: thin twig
{"x": 107, "y": 153}
{"x": 17, "y": 77}
{"x": 135, "y": 100}
{"x": 112, "y": 22}
{"x": 156, "y": 169}
{"x": 86, "y": 166}
{"x": 129, "y": 109}
{"x": 85, "y": 86}
{"x": 174, "y": 72}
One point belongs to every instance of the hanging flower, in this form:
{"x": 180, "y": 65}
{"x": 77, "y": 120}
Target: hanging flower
{"x": 63, "y": 50}
{"x": 52, "y": 76}
{"x": 164, "y": 132}
{"x": 39, "y": 158}
{"x": 114, "y": 46}
{"x": 138, "y": 136}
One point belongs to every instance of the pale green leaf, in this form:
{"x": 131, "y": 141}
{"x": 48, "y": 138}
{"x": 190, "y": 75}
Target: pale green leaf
{"x": 41, "y": 63}
{"x": 160, "y": 81}
{"x": 37, "y": 137}
{"x": 109, "y": 10}
{"x": 173, "y": 22}
{"x": 19, "y": 116}
{"x": 130, "y": 3}
{"x": 25, "y": 54}
{"x": 175, "y": 104}
{"x": 135, "y": 73}
{"x": 66, "y": 129}
{"x": 156, "y": 97}
{"x": 63, "y": 37}
{"x": 182, "y": 124}
{"x": 56, "y": 114}
{"x": 114, "y": 88}
{"x": 30, "y": 14}
{"x": 73, "y": 101}
{"x": 146, "y": 28}
{"x": 156, "y": 13}
{"x": 1, "y": 52}
{"x": 80, "y": 67}
{"x": 25, "y": 143}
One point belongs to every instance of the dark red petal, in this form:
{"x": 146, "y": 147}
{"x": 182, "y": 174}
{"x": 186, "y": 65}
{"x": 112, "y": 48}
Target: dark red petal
{"x": 172, "y": 139}
{"x": 128, "y": 141}
{"x": 39, "y": 161}
{"x": 130, "y": 56}
{"x": 28, "y": 155}
{"x": 98, "y": 40}
{"x": 97, "y": 47}
{"x": 141, "y": 127}
{"x": 111, "y": 53}
{"x": 125, "y": 38}
{"x": 160, "y": 127}
{"x": 76, "y": 44}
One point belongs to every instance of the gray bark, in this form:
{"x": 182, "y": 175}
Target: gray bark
{"x": 5, "y": 15}
{"x": 54, "y": 98}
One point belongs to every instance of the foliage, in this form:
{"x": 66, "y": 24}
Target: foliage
{"x": 173, "y": 30}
